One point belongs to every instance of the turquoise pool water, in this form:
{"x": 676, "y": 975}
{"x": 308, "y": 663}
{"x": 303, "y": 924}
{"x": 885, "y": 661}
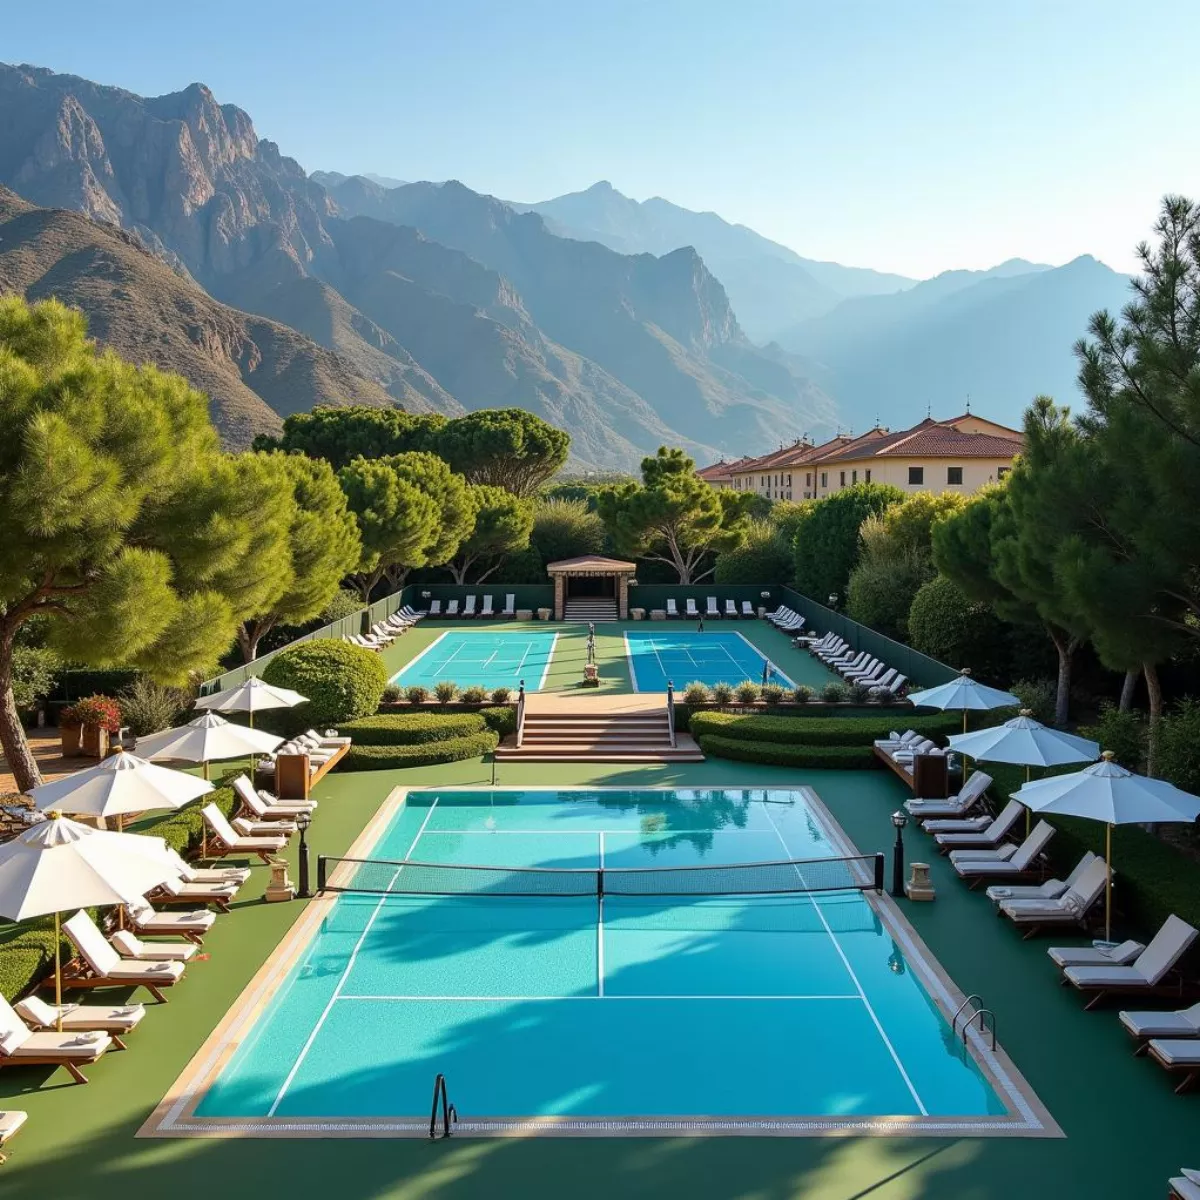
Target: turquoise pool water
{"x": 640, "y": 1007}
{"x": 685, "y": 656}
{"x": 488, "y": 660}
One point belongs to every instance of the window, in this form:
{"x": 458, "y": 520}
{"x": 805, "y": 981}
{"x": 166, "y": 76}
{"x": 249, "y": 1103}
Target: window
{"x": 867, "y": 473}
{"x": 824, "y": 478}
{"x": 808, "y": 479}
{"x": 789, "y": 481}
{"x": 916, "y": 475}
{"x": 954, "y": 475}
{"x": 843, "y": 479}
{"x": 1002, "y": 471}
{"x": 854, "y": 476}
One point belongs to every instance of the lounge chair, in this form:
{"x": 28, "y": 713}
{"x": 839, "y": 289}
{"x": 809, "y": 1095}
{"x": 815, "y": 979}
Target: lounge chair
{"x": 11, "y": 1120}
{"x": 1180, "y": 1056}
{"x": 1022, "y": 862}
{"x": 984, "y": 839}
{"x": 710, "y": 608}
{"x": 672, "y": 611}
{"x": 731, "y": 609}
{"x": 452, "y": 608}
{"x": 1071, "y": 908}
{"x": 20, "y": 1046}
{"x": 1149, "y": 974}
{"x": 411, "y": 614}
{"x": 99, "y": 964}
{"x": 192, "y": 925}
{"x": 871, "y": 669}
{"x": 793, "y": 624}
{"x": 131, "y": 948}
{"x": 1095, "y": 956}
{"x": 510, "y": 605}
{"x": 747, "y": 609}
{"x": 252, "y": 827}
{"x": 381, "y": 633}
{"x": 179, "y": 891}
{"x": 469, "y": 607}
{"x": 1141, "y": 1026}
{"x": 435, "y": 608}
{"x": 777, "y": 613}
{"x": 1183, "y": 1187}
{"x": 690, "y": 608}
{"x": 256, "y": 808}
{"x": 222, "y": 839}
{"x": 117, "y": 1020}
{"x": 487, "y": 610}
{"x": 1040, "y": 891}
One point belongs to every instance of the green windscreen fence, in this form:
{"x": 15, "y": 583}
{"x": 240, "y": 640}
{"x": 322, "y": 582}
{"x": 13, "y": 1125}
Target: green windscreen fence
{"x": 922, "y": 671}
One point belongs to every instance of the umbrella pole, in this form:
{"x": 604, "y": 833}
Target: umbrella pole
{"x": 1108, "y": 883}
{"x": 58, "y": 971}
{"x": 964, "y": 720}
{"x": 1027, "y": 811}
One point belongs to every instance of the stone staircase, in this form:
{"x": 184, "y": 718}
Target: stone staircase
{"x": 586, "y": 609}
{"x": 599, "y": 736}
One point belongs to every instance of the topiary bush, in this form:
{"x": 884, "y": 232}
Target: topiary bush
{"x": 342, "y": 681}
{"x": 445, "y": 691}
{"x": 802, "y": 693}
{"x": 695, "y": 693}
{"x": 817, "y": 731}
{"x": 835, "y": 693}
{"x": 746, "y": 692}
{"x": 722, "y": 693}
{"x": 425, "y": 754}
{"x": 773, "y": 693}
{"x": 501, "y": 720}
{"x": 960, "y": 632}
{"x": 411, "y": 728}
{"x": 416, "y": 694}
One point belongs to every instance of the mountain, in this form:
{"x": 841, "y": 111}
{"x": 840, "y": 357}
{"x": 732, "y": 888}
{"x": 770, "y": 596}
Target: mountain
{"x": 769, "y": 285}
{"x": 331, "y": 179}
{"x": 1001, "y": 337}
{"x": 255, "y": 371}
{"x": 482, "y": 306}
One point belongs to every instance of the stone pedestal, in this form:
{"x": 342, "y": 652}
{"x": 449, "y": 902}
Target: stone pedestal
{"x": 638, "y": 614}
{"x": 658, "y": 614}
{"x": 280, "y": 887}
{"x": 524, "y": 614}
{"x": 543, "y": 614}
{"x": 919, "y": 886}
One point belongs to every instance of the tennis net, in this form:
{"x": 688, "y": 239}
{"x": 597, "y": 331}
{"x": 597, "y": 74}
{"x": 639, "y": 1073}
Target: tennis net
{"x": 408, "y": 878}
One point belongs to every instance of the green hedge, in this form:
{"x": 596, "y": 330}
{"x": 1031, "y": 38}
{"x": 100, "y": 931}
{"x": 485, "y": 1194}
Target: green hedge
{"x": 342, "y": 682}
{"x": 817, "y": 731}
{"x": 411, "y": 728}
{"x": 427, "y": 754}
{"x": 27, "y": 950}
{"x": 501, "y": 720}
{"x": 835, "y": 758}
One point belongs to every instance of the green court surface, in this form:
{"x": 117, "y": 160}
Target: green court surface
{"x": 1126, "y": 1132}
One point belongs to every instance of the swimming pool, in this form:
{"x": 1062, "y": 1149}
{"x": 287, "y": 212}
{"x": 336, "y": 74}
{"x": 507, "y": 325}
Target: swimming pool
{"x": 488, "y": 660}
{"x": 794, "y": 1013}
{"x": 685, "y": 656}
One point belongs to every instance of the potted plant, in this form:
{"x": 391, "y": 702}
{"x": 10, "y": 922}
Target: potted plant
{"x": 99, "y": 716}
{"x": 70, "y": 730}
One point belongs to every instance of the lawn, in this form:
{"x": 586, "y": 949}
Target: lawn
{"x": 1126, "y": 1130}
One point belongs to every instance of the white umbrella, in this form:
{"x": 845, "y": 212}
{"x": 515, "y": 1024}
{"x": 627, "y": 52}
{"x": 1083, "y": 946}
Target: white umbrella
{"x": 60, "y": 865}
{"x": 251, "y": 697}
{"x": 965, "y": 694}
{"x": 123, "y": 783}
{"x": 206, "y": 738}
{"x": 1109, "y": 793}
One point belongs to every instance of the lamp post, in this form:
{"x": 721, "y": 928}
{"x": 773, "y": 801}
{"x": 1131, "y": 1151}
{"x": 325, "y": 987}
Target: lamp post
{"x": 302, "y": 823}
{"x": 899, "y": 819}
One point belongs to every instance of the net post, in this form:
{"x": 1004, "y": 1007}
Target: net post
{"x": 879, "y": 870}
{"x": 600, "y": 882}
{"x": 321, "y": 870}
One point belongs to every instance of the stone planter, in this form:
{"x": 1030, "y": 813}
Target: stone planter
{"x": 638, "y": 614}
{"x": 70, "y": 738}
{"x": 524, "y": 614}
{"x": 94, "y": 742}
{"x": 543, "y": 614}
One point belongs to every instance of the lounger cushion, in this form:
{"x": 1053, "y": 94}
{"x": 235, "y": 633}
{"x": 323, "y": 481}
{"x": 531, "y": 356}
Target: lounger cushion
{"x": 1101, "y": 977}
{"x": 1176, "y": 1052}
{"x": 1185, "y": 1024}
{"x": 134, "y": 949}
{"x": 154, "y": 972}
{"x": 81, "y": 1016}
{"x": 10, "y": 1121}
{"x": 62, "y": 1045}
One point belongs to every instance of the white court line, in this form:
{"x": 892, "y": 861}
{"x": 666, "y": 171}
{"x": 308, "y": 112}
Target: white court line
{"x": 412, "y": 662}
{"x": 846, "y": 962}
{"x": 341, "y": 983}
{"x": 549, "y": 657}
{"x": 585, "y": 832}
{"x": 778, "y": 675}
{"x": 600, "y": 930}
{"x": 454, "y": 654}
{"x": 547, "y": 999}
{"x": 629, "y": 658}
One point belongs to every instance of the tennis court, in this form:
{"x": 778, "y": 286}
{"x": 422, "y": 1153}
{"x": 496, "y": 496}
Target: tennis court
{"x": 603, "y": 962}
{"x": 685, "y": 656}
{"x": 488, "y": 660}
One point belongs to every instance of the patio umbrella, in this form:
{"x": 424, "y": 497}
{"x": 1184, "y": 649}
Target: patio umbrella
{"x": 61, "y": 865}
{"x": 206, "y": 738}
{"x": 123, "y": 783}
{"x": 1109, "y": 793}
{"x": 251, "y": 697}
{"x": 963, "y": 693}
{"x": 1027, "y": 743}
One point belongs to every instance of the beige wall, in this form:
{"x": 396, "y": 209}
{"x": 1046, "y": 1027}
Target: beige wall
{"x": 777, "y": 484}
{"x": 976, "y": 473}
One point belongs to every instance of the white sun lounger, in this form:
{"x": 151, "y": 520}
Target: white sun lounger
{"x": 1186, "y": 1186}
{"x": 435, "y": 608}
{"x": 130, "y": 946}
{"x": 1071, "y": 908}
{"x": 116, "y": 1020}
{"x": 985, "y": 839}
{"x": 1021, "y": 862}
{"x": 191, "y": 925}
{"x": 11, "y": 1120}
{"x": 692, "y": 610}
{"x": 1147, "y": 974}
{"x": 954, "y": 807}
{"x": 469, "y": 607}
{"x": 731, "y": 609}
{"x": 1185, "y": 1023}
{"x": 1039, "y": 891}
{"x": 99, "y": 964}
{"x": 711, "y": 609}
{"x": 258, "y": 808}
{"x": 1095, "y": 956}
{"x": 510, "y": 605}
{"x": 487, "y": 610}
{"x": 20, "y": 1046}
{"x": 452, "y": 608}
{"x": 747, "y": 609}
{"x": 1178, "y": 1055}
{"x": 223, "y": 839}
{"x": 672, "y": 611}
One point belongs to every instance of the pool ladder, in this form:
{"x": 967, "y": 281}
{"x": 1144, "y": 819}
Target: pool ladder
{"x": 985, "y": 1016}
{"x": 449, "y": 1112}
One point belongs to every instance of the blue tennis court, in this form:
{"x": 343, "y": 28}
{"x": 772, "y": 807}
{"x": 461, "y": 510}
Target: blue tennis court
{"x": 685, "y": 656}
{"x": 488, "y": 660}
{"x": 540, "y": 949}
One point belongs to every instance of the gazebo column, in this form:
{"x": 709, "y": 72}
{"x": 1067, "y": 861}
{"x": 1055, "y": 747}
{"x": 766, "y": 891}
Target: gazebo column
{"x": 560, "y": 589}
{"x": 623, "y": 597}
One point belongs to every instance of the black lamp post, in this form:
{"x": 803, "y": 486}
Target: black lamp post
{"x": 899, "y": 819}
{"x": 303, "y": 821}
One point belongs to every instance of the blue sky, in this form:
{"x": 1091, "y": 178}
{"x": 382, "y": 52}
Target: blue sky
{"x": 913, "y": 136}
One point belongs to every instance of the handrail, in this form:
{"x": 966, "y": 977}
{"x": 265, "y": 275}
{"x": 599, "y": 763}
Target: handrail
{"x": 449, "y": 1112}
{"x": 671, "y": 713}
{"x": 520, "y": 714}
{"x": 973, "y": 998}
{"x": 983, "y": 1025}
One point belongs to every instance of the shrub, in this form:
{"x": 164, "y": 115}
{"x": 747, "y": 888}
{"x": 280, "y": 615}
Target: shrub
{"x": 417, "y": 694}
{"x": 35, "y": 671}
{"x": 816, "y": 731}
{"x": 1124, "y": 733}
{"x": 411, "y": 728}
{"x": 802, "y": 693}
{"x": 502, "y": 721}
{"x": 860, "y": 692}
{"x": 147, "y": 707}
{"x": 746, "y": 692}
{"x": 844, "y": 758}
{"x": 103, "y": 711}
{"x": 948, "y": 626}
{"x": 564, "y": 528}
{"x": 834, "y": 692}
{"x": 342, "y": 682}
{"x": 722, "y": 693}
{"x": 392, "y": 694}
{"x": 384, "y": 758}
{"x": 695, "y": 693}
{"x": 881, "y": 589}
{"x": 474, "y": 695}
{"x": 445, "y": 691}
{"x": 343, "y": 603}
{"x": 773, "y": 693}
{"x": 764, "y": 557}
{"x": 826, "y": 539}
{"x": 501, "y": 695}
{"x": 1179, "y": 746}
{"x": 1039, "y": 696}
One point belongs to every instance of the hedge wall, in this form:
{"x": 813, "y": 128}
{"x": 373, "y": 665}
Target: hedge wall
{"x": 817, "y": 731}
{"x": 411, "y": 728}
{"x": 423, "y": 754}
{"x": 838, "y": 758}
